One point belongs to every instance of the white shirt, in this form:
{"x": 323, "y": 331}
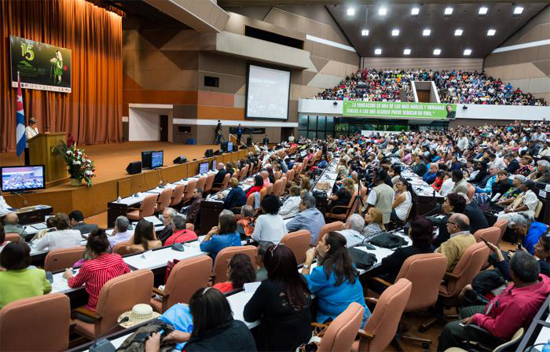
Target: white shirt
{"x": 4, "y": 207}
{"x": 291, "y": 207}
{"x": 462, "y": 143}
{"x": 531, "y": 201}
{"x": 269, "y": 228}
{"x": 30, "y": 132}
{"x": 403, "y": 208}
{"x": 352, "y": 237}
{"x": 499, "y": 162}
{"x": 120, "y": 237}
{"x": 447, "y": 187}
{"x": 59, "y": 239}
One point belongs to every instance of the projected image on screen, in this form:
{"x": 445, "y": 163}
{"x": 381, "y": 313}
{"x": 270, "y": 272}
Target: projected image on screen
{"x": 268, "y": 93}
{"x": 22, "y": 178}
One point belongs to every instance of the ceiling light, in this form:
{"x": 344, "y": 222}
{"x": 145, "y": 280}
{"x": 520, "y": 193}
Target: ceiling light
{"x": 407, "y": 52}
{"x": 448, "y": 11}
{"x": 437, "y": 51}
{"x": 491, "y": 32}
{"x": 483, "y": 10}
{"x": 378, "y": 51}
{"x": 467, "y": 52}
{"x": 518, "y": 10}
{"x": 382, "y": 11}
{"x": 395, "y": 32}
{"x": 351, "y": 11}
{"x": 426, "y": 32}
{"x": 415, "y": 11}
{"x": 458, "y": 32}
{"x": 365, "y": 32}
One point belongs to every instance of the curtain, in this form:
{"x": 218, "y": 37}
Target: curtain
{"x": 92, "y": 112}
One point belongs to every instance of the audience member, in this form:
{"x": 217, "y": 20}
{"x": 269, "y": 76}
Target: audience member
{"x": 11, "y": 225}
{"x": 180, "y": 232}
{"x": 460, "y": 239}
{"x": 352, "y": 230}
{"x": 236, "y": 196}
{"x": 309, "y": 218}
{"x": 144, "y": 238}
{"x": 221, "y": 236}
{"x": 120, "y": 232}
{"x": 167, "y": 218}
{"x": 525, "y": 203}
{"x": 239, "y": 271}
{"x": 4, "y": 207}
{"x": 269, "y": 226}
{"x": 341, "y": 198}
{"x": 461, "y": 185}
{"x": 402, "y": 201}
{"x": 220, "y": 175}
{"x": 291, "y": 206}
{"x": 375, "y": 223}
{"x": 454, "y": 203}
{"x": 258, "y": 185}
{"x": 191, "y": 212}
{"x": 246, "y": 223}
{"x": 63, "y": 237}
{"x": 77, "y": 223}
{"x": 381, "y": 196}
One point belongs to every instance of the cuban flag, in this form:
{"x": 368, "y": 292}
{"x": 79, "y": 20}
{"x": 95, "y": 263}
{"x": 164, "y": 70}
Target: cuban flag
{"x": 20, "y": 129}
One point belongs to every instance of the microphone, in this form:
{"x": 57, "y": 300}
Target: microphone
{"x": 25, "y": 202}
{"x": 104, "y": 345}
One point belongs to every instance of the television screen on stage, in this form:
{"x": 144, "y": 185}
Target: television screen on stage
{"x": 203, "y": 167}
{"x": 267, "y": 93}
{"x": 214, "y": 164}
{"x": 157, "y": 159}
{"x": 229, "y": 146}
{"x": 146, "y": 159}
{"x": 22, "y": 178}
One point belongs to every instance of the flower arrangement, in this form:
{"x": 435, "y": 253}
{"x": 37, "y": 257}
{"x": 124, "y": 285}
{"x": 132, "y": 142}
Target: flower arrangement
{"x": 80, "y": 166}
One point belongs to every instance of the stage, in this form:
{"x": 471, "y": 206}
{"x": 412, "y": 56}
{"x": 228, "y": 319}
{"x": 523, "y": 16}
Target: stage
{"x": 112, "y": 180}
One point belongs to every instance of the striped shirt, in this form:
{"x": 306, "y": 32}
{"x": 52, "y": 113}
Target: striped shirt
{"x": 95, "y": 273}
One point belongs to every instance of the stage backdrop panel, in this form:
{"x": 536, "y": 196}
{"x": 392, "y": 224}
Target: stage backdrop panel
{"x": 92, "y": 112}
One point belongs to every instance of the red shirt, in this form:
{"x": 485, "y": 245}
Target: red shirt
{"x": 180, "y": 237}
{"x": 96, "y": 272}
{"x": 253, "y": 189}
{"x": 224, "y": 287}
{"x": 513, "y": 308}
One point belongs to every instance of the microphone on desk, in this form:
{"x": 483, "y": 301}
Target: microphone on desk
{"x": 25, "y": 202}
{"x": 104, "y": 345}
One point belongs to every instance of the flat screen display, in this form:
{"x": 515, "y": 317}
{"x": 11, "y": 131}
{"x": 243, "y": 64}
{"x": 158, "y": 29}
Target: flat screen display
{"x": 157, "y": 159}
{"x": 214, "y": 164}
{"x": 229, "y": 146}
{"x": 23, "y": 178}
{"x": 203, "y": 168}
{"x": 267, "y": 93}
{"x": 146, "y": 159}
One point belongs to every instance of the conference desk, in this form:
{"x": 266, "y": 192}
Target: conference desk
{"x": 325, "y": 183}
{"x": 32, "y": 214}
{"x": 424, "y": 197}
{"x": 538, "y": 332}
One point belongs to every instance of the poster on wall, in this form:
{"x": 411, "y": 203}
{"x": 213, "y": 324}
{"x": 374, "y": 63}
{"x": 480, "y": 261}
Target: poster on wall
{"x": 41, "y": 66}
{"x": 399, "y": 110}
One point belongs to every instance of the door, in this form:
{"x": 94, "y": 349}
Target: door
{"x": 164, "y": 128}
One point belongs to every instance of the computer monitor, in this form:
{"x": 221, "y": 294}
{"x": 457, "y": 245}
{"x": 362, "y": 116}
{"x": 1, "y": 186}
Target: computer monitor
{"x": 22, "y": 178}
{"x": 229, "y": 146}
{"x": 157, "y": 159}
{"x": 146, "y": 159}
{"x": 214, "y": 164}
{"x": 203, "y": 167}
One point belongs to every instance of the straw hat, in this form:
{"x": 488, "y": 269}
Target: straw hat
{"x": 140, "y": 313}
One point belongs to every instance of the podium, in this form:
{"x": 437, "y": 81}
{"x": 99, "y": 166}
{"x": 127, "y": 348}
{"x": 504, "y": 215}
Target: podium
{"x": 41, "y": 153}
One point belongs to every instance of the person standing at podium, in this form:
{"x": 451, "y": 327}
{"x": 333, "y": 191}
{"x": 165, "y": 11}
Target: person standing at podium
{"x": 30, "y": 131}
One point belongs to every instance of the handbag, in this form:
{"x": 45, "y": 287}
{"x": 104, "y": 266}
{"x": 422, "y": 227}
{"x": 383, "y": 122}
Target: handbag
{"x": 362, "y": 259}
{"x": 169, "y": 266}
{"x": 136, "y": 341}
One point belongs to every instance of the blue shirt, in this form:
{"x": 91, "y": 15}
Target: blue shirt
{"x": 488, "y": 186}
{"x": 235, "y": 198}
{"x": 333, "y": 300}
{"x": 309, "y": 219}
{"x": 533, "y": 235}
{"x": 219, "y": 242}
{"x": 428, "y": 177}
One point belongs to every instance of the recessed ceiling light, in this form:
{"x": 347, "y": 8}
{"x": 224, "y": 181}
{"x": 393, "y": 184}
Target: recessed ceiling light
{"x": 365, "y": 32}
{"x": 491, "y": 32}
{"x": 415, "y": 11}
{"x": 437, "y": 51}
{"x": 448, "y": 11}
{"x": 518, "y": 10}
{"x": 458, "y": 32}
{"x": 426, "y": 32}
{"x": 407, "y": 52}
{"x": 467, "y": 52}
{"x": 382, "y": 11}
{"x": 351, "y": 11}
{"x": 483, "y": 10}
{"x": 395, "y": 32}
{"x": 378, "y": 51}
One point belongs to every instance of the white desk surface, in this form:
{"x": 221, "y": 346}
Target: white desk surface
{"x": 544, "y": 335}
{"x": 157, "y": 259}
{"x": 60, "y": 284}
{"x": 237, "y": 303}
{"x": 382, "y": 253}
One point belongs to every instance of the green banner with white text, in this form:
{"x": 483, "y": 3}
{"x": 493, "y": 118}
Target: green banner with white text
{"x": 401, "y": 110}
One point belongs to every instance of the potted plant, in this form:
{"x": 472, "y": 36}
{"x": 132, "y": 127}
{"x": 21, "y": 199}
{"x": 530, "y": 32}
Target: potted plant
{"x": 80, "y": 167}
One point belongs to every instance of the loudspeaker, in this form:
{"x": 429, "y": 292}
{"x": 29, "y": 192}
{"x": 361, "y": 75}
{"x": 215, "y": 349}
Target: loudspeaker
{"x": 218, "y": 152}
{"x": 209, "y": 153}
{"x": 134, "y": 168}
{"x": 249, "y": 141}
{"x": 180, "y": 160}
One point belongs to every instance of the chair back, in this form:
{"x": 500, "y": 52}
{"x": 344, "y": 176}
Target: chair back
{"x": 201, "y": 182}
{"x": 40, "y": 323}
{"x": 502, "y": 225}
{"x": 185, "y": 279}
{"x": 290, "y": 175}
{"x": 511, "y": 345}
{"x": 164, "y": 199}
{"x": 242, "y": 173}
{"x": 177, "y": 195}
{"x": 189, "y": 190}
{"x": 219, "y": 272}
{"x": 277, "y": 175}
{"x": 284, "y": 179}
{"x": 538, "y": 209}
{"x": 385, "y": 319}
{"x": 298, "y": 242}
{"x": 263, "y": 192}
{"x": 471, "y": 191}
{"x": 225, "y": 181}
{"x": 13, "y": 237}
{"x": 120, "y": 248}
{"x": 333, "y": 226}
{"x": 341, "y": 333}
{"x": 61, "y": 259}
{"x": 490, "y": 234}
{"x": 251, "y": 169}
{"x": 269, "y": 189}
{"x": 147, "y": 207}
{"x": 425, "y": 288}
{"x": 466, "y": 269}
{"x": 250, "y": 199}
{"x": 209, "y": 183}
{"x": 278, "y": 188}
{"x": 119, "y": 295}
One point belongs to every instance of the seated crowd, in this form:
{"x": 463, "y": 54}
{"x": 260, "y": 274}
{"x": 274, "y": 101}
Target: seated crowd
{"x": 484, "y": 174}
{"x": 456, "y": 87}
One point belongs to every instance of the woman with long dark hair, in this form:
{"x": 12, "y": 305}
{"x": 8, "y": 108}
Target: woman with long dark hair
{"x": 239, "y": 271}
{"x": 144, "y": 238}
{"x": 335, "y": 281}
{"x": 258, "y": 185}
{"x": 282, "y": 303}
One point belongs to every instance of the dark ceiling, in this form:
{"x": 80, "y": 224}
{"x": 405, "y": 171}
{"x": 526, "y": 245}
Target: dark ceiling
{"x": 465, "y": 16}
{"x": 139, "y": 9}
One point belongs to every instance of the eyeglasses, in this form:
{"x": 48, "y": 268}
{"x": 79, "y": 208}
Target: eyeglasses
{"x": 452, "y": 223}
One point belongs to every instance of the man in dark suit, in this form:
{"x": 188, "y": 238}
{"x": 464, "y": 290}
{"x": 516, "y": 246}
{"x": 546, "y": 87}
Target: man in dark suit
{"x": 221, "y": 173}
{"x": 77, "y": 223}
{"x": 513, "y": 164}
{"x": 266, "y": 140}
{"x": 239, "y": 135}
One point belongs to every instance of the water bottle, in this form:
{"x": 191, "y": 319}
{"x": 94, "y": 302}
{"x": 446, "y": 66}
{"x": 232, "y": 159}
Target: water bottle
{"x": 546, "y": 347}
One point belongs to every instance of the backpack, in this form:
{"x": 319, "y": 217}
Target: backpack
{"x": 136, "y": 341}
